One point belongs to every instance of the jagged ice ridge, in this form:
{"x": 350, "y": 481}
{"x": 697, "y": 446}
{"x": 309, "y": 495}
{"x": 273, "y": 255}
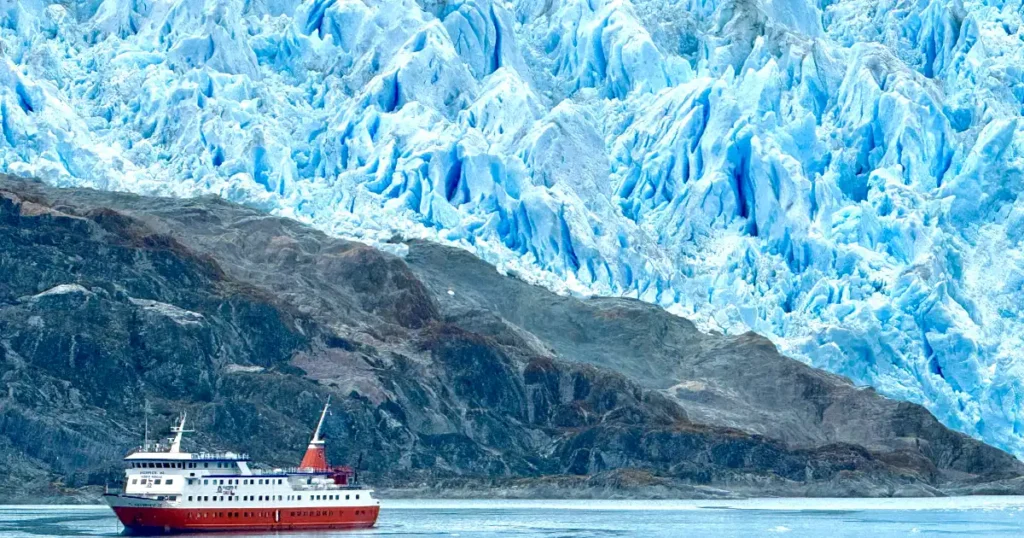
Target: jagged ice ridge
{"x": 842, "y": 175}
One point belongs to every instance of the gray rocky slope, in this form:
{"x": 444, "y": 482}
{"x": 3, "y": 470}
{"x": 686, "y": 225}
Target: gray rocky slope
{"x": 447, "y": 377}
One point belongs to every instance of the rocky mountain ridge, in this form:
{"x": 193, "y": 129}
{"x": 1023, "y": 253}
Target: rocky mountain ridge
{"x": 447, "y": 376}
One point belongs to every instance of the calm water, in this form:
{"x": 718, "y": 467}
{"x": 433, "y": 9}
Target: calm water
{"x": 874, "y": 518}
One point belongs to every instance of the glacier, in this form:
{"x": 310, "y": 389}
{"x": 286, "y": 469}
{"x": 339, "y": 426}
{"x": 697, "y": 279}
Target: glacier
{"x": 841, "y": 176}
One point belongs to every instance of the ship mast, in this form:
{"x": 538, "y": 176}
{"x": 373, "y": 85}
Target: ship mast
{"x": 316, "y": 454}
{"x": 316, "y": 434}
{"x": 177, "y": 431}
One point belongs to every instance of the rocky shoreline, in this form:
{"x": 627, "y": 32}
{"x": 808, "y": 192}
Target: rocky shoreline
{"x": 449, "y": 379}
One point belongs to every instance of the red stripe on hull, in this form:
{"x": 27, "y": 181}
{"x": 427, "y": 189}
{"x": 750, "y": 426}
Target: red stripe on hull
{"x": 170, "y": 520}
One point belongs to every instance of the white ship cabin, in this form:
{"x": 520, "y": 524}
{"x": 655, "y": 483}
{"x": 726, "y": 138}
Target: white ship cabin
{"x": 162, "y": 472}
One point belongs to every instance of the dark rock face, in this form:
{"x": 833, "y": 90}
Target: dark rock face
{"x": 443, "y": 372}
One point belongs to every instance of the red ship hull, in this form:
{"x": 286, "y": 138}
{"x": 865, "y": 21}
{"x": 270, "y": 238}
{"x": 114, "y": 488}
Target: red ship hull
{"x": 149, "y": 520}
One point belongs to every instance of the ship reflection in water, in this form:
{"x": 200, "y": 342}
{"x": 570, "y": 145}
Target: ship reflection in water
{"x": 878, "y": 518}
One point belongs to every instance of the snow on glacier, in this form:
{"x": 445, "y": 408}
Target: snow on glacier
{"x": 841, "y": 176}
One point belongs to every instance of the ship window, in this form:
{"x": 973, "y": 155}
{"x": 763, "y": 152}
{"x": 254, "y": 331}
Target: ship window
{"x": 169, "y": 482}
{"x": 347, "y": 497}
{"x": 357, "y": 496}
{"x": 189, "y": 497}
{"x": 279, "y": 481}
{"x": 135, "y": 481}
{"x": 300, "y": 497}
{"x": 206, "y": 498}
{"x": 206, "y": 465}
{"x": 206, "y": 482}
{"x": 157, "y": 482}
{"x": 173, "y": 498}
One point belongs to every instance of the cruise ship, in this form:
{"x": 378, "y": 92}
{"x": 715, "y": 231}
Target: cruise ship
{"x": 168, "y": 491}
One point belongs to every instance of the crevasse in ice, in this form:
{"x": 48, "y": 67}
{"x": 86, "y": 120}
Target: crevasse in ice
{"x": 841, "y": 176}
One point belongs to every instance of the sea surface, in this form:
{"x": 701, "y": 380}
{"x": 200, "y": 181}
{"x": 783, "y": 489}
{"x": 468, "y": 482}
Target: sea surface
{"x": 872, "y": 518}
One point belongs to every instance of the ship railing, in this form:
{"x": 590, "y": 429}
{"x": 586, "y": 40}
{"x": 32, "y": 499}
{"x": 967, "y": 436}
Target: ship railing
{"x": 301, "y": 470}
{"x": 325, "y": 487}
{"x": 233, "y": 456}
{"x": 207, "y": 456}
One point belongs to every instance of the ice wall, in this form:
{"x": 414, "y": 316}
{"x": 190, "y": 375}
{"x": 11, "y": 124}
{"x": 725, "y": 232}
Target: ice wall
{"x": 841, "y": 176}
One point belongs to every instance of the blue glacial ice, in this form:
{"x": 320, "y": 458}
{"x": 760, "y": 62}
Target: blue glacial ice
{"x": 842, "y": 176}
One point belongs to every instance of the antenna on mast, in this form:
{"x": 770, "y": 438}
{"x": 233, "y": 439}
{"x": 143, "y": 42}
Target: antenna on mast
{"x": 316, "y": 435}
{"x": 177, "y": 431}
{"x": 145, "y": 407}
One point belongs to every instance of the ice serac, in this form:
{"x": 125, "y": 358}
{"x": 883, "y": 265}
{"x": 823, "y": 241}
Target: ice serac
{"x": 841, "y": 177}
